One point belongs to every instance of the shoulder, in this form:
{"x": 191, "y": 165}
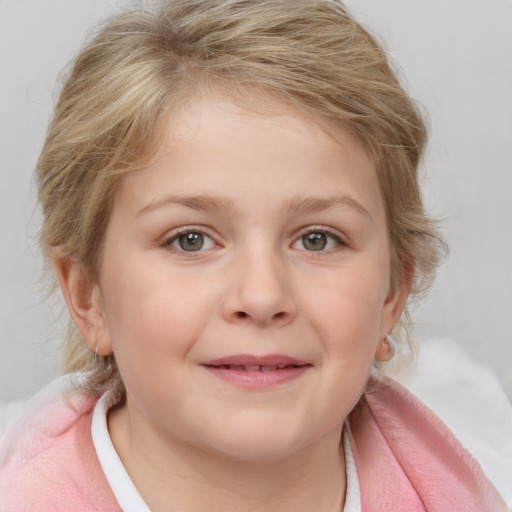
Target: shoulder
{"x": 401, "y": 448}
{"x": 48, "y": 461}
{"x": 446, "y": 427}
{"x": 468, "y": 398}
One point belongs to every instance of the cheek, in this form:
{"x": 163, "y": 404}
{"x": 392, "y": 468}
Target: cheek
{"x": 346, "y": 320}
{"x": 152, "y": 308}
{"x": 347, "y": 314}
{"x": 154, "y": 322}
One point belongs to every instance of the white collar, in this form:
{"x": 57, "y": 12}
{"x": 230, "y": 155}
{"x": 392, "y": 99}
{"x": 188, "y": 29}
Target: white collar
{"x": 120, "y": 482}
{"x": 352, "y": 496}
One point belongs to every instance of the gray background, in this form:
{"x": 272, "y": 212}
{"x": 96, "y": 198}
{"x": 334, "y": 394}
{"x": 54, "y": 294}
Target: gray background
{"x": 456, "y": 56}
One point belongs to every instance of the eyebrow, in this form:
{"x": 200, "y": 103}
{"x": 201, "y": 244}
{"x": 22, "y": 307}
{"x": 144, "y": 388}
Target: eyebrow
{"x": 295, "y": 205}
{"x": 200, "y": 202}
{"x": 316, "y": 204}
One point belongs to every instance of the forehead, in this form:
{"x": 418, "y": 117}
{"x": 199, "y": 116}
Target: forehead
{"x": 268, "y": 150}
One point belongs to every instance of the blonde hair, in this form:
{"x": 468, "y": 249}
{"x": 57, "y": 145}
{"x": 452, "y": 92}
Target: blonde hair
{"x": 145, "y": 63}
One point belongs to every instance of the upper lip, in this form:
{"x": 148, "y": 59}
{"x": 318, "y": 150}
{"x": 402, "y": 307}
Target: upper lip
{"x": 253, "y": 360}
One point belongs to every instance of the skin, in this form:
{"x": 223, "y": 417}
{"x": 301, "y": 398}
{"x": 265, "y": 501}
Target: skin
{"x": 254, "y": 186}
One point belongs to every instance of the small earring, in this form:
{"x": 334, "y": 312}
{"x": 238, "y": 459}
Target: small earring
{"x": 393, "y": 347}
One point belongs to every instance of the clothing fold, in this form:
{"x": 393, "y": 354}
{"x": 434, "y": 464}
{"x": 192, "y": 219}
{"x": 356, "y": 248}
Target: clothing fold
{"x": 408, "y": 460}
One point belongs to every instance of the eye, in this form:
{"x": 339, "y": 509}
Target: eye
{"x": 191, "y": 241}
{"x": 317, "y": 240}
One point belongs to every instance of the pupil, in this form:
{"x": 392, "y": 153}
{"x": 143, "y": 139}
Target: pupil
{"x": 191, "y": 241}
{"x": 314, "y": 241}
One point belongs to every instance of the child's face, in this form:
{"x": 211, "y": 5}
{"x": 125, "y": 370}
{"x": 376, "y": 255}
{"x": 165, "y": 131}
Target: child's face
{"x": 249, "y": 243}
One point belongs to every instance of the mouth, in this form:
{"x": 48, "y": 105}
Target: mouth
{"x": 252, "y": 367}
{"x": 257, "y": 372}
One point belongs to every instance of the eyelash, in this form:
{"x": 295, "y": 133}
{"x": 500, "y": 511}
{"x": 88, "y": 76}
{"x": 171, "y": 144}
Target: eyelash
{"x": 175, "y": 235}
{"x": 341, "y": 242}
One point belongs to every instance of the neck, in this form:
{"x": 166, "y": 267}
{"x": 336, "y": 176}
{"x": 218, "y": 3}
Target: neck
{"x": 167, "y": 471}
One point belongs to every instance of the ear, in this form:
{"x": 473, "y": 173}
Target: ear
{"x": 84, "y": 301}
{"x": 391, "y": 312}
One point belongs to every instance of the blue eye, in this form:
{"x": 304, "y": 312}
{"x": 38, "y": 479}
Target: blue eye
{"x": 191, "y": 241}
{"x": 317, "y": 240}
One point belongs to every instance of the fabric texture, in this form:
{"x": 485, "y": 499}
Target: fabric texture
{"x": 48, "y": 461}
{"x": 406, "y": 458}
{"x": 469, "y": 399}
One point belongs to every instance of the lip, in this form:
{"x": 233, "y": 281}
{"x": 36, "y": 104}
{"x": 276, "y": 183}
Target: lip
{"x": 257, "y": 372}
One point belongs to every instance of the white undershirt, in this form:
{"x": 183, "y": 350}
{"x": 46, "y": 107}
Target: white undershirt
{"x": 125, "y": 491}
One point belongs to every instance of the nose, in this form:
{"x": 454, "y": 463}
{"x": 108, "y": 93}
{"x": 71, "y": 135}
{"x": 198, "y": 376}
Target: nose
{"x": 259, "y": 291}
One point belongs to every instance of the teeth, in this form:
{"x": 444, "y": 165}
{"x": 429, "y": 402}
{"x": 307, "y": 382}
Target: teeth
{"x": 255, "y": 367}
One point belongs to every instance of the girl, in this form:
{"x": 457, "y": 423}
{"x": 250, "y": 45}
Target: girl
{"x": 231, "y": 205}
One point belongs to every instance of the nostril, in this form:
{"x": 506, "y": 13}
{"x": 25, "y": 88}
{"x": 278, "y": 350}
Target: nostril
{"x": 277, "y": 316}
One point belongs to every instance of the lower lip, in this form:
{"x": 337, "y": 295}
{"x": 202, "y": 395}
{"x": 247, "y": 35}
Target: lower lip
{"x": 258, "y": 380}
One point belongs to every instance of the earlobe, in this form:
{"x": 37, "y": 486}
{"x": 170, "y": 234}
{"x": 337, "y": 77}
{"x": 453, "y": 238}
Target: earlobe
{"x": 386, "y": 349}
{"x": 84, "y": 301}
{"x": 392, "y": 310}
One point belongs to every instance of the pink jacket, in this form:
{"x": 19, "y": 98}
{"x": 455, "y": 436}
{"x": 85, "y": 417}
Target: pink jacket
{"x": 406, "y": 459}
{"x": 48, "y": 463}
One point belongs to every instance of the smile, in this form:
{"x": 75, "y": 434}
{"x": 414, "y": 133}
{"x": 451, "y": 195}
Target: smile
{"x": 254, "y": 368}
{"x": 256, "y": 372}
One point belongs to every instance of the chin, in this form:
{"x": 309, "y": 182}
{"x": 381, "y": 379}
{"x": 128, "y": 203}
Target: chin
{"x": 259, "y": 444}
{"x": 259, "y": 453}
